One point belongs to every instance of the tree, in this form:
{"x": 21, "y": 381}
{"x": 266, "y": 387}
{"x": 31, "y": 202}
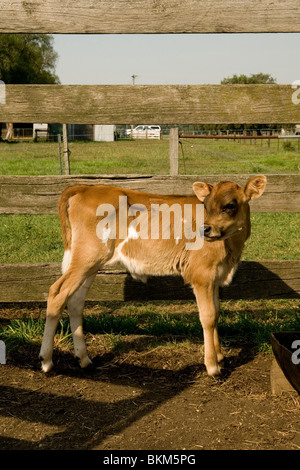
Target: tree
{"x": 258, "y": 78}
{"x": 27, "y": 58}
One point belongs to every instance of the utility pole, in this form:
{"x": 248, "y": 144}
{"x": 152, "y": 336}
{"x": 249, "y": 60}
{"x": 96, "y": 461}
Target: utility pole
{"x": 133, "y": 78}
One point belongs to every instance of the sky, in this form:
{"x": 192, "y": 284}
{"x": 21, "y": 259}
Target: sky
{"x": 174, "y": 59}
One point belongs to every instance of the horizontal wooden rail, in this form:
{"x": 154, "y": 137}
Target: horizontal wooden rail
{"x": 40, "y": 194}
{"x": 253, "y": 280}
{"x": 162, "y": 104}
{"x": 151, "y": 16}
{"x": 230, "y": 137}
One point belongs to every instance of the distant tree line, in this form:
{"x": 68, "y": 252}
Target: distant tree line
{"x": 254, "y": 79}
{"x": 27, "y": 58}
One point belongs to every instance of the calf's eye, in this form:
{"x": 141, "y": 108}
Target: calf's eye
{"x": 229, "y": 207}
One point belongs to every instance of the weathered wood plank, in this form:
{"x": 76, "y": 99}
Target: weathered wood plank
{"x": 165, "y": 104}
{"x": 278, "y": 381}
{"x": 265, "y": 279}
{"x": 152, "y": 16}
{"x": 40, "y": 194}
{"x": 253, "y": 280}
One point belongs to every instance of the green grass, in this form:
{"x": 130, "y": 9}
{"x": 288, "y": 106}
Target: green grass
{"x": 29, "y": 331}
{"x": 121, "y": 157}
{"x": 241, "y": 322}
{"x": 37, "y": 238}
{"x": 217, "y": 157}
{"x": 273, "y": 237}
{"x": 150, "y": 157}
{"x": 30, "y": 238}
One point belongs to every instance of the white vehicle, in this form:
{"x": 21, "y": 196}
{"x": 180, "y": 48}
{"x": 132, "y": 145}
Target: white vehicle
{"x": 145, "y": 132}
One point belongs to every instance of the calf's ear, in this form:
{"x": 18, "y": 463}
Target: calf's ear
{"x": 202, "y": 190}
{"x": 255, "y": 186}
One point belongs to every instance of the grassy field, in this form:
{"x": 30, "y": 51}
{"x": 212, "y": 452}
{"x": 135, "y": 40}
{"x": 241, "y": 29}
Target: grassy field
{"x": 151, "y": 157}
{"x": 274, "y": 236}
{"x": 37, "y": 238}
{"x": 26, "y": 238}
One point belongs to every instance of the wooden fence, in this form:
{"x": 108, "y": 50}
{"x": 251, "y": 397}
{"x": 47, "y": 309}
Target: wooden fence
{"x": 40, "y": 194}
{"x": 153, "y": 16}
{"x": 199, "y": 104}
{"x": 165, "y": 104}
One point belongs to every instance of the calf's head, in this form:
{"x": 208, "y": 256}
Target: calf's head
{"x": 226, "y": 206}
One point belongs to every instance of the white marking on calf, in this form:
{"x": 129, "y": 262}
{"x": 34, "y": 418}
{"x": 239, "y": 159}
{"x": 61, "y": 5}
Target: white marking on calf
{"x": 66, "y": 261}
{"x": 135, "y": 268}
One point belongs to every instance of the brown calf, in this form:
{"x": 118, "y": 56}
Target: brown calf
{"x": 100, "y": 228}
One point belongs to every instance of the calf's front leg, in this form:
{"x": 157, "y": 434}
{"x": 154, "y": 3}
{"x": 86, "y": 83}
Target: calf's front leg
{"x": 209, "y": 313}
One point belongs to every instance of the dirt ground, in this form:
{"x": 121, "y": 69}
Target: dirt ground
{"x": 148, "y": 397}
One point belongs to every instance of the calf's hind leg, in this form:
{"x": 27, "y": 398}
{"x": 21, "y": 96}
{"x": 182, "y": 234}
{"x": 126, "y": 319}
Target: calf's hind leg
{"x": 59, "y": 294}
{"x": 75, "y": 309}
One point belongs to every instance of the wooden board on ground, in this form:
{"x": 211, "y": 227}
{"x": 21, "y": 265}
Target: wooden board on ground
{"x": 278, "y": 381}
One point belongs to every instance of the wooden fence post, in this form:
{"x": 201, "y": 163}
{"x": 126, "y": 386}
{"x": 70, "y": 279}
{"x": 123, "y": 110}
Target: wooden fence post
{"x": 173, "y": 151}
{"x": 254, "y": 135}
{"x": 60, "y": 153}
{"x": 66, "y": 150}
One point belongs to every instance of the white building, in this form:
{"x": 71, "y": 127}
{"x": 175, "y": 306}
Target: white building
{"x": 104, "y": 133}
{"x": 41, "y": 128}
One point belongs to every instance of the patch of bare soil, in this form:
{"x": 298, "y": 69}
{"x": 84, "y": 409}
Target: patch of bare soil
{"x": 148, "y": 397}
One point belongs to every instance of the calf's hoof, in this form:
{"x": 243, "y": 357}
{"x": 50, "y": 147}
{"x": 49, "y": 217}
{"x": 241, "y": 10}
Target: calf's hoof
{"x": 46, "y": 365}
{"x": 213, "y": 371}
{"x": 84, "y": 362}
